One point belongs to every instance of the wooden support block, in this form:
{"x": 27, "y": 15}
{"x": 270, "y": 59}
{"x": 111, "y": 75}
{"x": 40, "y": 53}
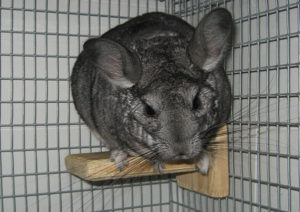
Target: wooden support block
{"x": 97, "y": 167}
{"x": 216, "y": 182}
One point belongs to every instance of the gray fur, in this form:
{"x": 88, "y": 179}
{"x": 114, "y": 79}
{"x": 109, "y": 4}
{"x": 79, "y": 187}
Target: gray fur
{"x": 142, "y": 88}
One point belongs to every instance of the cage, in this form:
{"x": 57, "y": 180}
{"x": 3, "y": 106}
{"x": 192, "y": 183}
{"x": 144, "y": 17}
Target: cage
{"x": 40, "y": 40}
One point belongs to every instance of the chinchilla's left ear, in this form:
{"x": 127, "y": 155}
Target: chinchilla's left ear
{"x": 120, "y": 66}
{"x": 212, "y": 39}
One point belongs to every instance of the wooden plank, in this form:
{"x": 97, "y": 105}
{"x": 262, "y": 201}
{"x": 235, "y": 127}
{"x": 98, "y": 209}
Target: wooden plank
{"x": 97, "y": 167}
{"x": 216, "y": 182}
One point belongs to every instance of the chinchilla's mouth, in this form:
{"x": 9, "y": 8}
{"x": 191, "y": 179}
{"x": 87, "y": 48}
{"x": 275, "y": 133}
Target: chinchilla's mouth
{"x": 179, "y": 160}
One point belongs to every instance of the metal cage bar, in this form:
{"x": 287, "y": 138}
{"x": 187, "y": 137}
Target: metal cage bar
{"x": 39, "y": 43}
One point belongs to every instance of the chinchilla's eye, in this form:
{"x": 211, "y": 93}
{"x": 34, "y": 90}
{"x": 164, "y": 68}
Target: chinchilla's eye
{"x": 196, "y": 102}
{"x": 149, "y": 110}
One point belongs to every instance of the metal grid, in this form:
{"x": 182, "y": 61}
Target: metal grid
{"x": 40, "y": 41}
{"x": 264, "y": 128}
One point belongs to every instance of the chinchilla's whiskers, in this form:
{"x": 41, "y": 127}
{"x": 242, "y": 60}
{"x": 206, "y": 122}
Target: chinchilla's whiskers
{"x": 75, "y": 199}
{"x": 252, "y": 102}
{"x": 138, "y": 162}
{"x": 148, "y": 153}
{"x": 133, "y": 160}
{"x": 72, "y": 182}
{"x": 239, "y": 134}
{"x": 41, "y": 199}
{"x": 247, "y": 131}
{"x": 231, "y": 132}
{"x": 238, "y": 143}
{"x": 254, "y": 109}
{"x": 219, "y": 134}
{"x": 245, "y": 155}
{"x": 236, "y": 117}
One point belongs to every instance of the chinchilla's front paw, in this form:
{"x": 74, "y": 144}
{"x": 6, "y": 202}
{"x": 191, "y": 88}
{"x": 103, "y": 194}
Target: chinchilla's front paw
{"x": 158, "y": 166}
{"x": 203, "y": 164}
{"x": 120, "y": 158}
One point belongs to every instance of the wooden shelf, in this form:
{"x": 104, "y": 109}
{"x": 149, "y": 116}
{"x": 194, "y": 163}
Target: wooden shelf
{"x": 97, "y": 167}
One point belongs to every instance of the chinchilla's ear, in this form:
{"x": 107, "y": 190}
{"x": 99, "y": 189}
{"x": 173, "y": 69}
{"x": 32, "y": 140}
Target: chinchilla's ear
{"x": 212, "y": 39}
{"x": 120, "y": 66}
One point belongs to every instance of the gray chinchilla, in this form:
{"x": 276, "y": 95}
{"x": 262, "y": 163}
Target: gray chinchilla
{"x": 154, "y": 86}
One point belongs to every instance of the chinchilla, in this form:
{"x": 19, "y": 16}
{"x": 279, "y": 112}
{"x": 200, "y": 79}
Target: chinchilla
{"x": 155, "y": 86}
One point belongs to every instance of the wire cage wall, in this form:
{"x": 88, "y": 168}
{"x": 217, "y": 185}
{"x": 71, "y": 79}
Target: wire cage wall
{"x": 40, "y": 41}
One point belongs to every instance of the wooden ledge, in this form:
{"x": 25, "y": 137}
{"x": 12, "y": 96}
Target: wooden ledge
{"x": 97, "y": 167}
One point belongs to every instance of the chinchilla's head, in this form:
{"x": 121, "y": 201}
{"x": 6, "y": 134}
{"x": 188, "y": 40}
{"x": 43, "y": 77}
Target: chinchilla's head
{"x": 175, "y": 94}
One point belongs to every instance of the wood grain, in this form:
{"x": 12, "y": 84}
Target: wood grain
{"x": 97, "y": 166}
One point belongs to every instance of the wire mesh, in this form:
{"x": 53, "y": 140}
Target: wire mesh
{"x": 264, "y": 126}
{"x": 40, "y": 41}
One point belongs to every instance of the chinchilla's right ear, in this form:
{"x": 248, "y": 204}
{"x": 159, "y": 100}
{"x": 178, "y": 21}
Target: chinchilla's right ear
{"x": 212, "y": 39}
{"x": 120, "y": 66}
